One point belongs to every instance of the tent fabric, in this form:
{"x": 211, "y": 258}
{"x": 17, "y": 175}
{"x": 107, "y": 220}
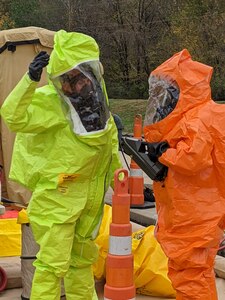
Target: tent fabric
{"x": 26, "y": 35}
{"x": 14, "y": 64}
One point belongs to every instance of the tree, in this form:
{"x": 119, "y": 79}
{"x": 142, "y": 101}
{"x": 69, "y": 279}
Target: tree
{"x": 6, "y": 22}
{"x": 134, "y": 36}
{"x": 25, "y": 13}
{"x": 199, "y": 28}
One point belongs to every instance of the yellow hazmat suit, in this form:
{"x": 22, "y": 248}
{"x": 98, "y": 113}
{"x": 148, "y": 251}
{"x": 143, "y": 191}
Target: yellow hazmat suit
{"x": 68, "y": 169}
{"x": 191, "y": 200}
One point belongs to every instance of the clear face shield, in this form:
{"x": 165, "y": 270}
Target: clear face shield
{"x": 163, "y": 96}
{"x": 81, "y": 88}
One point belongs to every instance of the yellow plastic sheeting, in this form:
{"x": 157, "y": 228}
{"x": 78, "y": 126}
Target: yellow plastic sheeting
{"x": 10, "y": 236}
{"x": 150, "y": 263}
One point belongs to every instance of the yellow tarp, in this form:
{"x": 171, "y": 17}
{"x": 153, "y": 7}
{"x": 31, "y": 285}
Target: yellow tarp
{"x": 10, "y": 237}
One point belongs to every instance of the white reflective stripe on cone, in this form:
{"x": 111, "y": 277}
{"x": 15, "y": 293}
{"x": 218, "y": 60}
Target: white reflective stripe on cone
{"x": 136, "y": 173}
{"x": 120, "y": 245}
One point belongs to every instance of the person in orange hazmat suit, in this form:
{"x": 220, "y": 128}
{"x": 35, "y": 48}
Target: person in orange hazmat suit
{"x": 190, "y": 200}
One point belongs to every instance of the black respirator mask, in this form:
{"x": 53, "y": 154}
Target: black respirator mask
{"x": 163, "y": 97}
{"x": 90, "y": 108}
{"x": 164, "y": 110}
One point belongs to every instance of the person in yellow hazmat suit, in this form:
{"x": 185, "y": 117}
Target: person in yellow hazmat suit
{"x": 66, "y": 152}
{"x": 191, "y": 199}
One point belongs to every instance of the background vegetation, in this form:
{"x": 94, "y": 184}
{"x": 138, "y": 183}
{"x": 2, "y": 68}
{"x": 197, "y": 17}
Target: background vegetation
{"x": 135, "y": 36}
{"x": 126, "y": 110}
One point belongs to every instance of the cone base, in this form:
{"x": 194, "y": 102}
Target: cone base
{"x": 114, "y": 293}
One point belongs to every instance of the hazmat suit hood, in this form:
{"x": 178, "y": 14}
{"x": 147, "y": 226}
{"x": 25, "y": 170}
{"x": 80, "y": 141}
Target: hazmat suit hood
{"x": 190, "y": 79}
{"x": 76, "y": 73}
{"x": 71, "y": 49}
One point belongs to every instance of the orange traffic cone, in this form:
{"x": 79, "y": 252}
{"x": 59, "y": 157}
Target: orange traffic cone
{"x": 119, "y": 262}
{"x": 136, "y": 179}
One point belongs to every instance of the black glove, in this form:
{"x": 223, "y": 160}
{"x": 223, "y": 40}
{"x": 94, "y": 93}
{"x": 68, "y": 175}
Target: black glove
{"x": 36, "y": 67}
{"x": 119, "y": 126}
{"x": 155, "y": 150}
{"x": 148, "y": 195}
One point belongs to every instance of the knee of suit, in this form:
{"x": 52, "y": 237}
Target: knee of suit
{"x": 82, "y": 256}
{"x": 84, "y": 253}
{"x": 53, "y": 270}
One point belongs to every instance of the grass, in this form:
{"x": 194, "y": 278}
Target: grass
{"x": 126, "y": 110}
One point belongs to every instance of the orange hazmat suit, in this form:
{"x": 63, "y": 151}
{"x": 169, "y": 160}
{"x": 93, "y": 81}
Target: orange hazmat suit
{"x": 191, "y": 200}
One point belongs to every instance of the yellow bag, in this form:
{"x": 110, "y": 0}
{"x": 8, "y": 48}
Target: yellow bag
{"x": 22, "y": 217}
{"x": 150, "y": 263}
{"x": 102, "y": 242}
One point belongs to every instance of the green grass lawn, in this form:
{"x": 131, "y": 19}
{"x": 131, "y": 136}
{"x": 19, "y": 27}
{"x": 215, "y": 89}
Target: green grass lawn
{"x": 126, "y": 110}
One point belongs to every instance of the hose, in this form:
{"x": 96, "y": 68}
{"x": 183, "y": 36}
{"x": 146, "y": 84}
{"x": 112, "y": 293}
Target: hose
{"x": 222, "y": 246}
{"x": 3, "y": 279}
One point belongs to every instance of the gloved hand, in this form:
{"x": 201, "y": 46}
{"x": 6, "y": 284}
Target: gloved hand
{"x": 155, "y": 150}
{"x": 119, "y": 126}
{"x": 163, "y": 173}
{"x": 36, "y": 66}
{"x": 148, "y": 195}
